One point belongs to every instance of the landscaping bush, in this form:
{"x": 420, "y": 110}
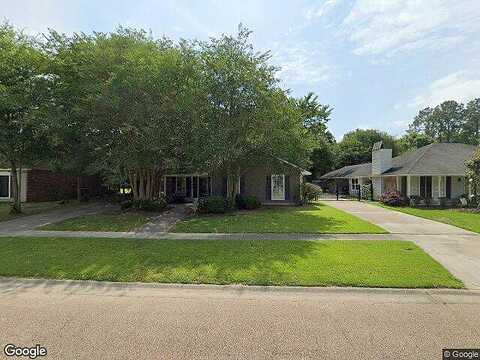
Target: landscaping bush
{"x": 252, "y": 202}
{"x": 212, "y": 205}
{"x": 366, "y": 191}
{"x": 310, "y": 191}
{"x": 393, "y": 198}
{"x": 415, "y": 200}
{"x": 240, "y": 201}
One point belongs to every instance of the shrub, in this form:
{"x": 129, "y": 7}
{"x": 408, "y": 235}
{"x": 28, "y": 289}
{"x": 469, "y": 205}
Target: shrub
{"x": 252, "y": 202}
{"x": 393, "y": 198}
{"x": 366, "y": 191}
{"x": 310, "y": 191}
{"x": 415, "y": 200}
{"x": 212, "y": 205}
{"x": 240, "y": 201}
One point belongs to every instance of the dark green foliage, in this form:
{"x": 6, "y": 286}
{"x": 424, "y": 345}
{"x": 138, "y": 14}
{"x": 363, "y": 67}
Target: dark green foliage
{"x": 240, "y": 201}
{"x": 252, "y": 202}
{"x": 356, "y": 146}
{"x": 212, "y": 205}
{"x": 310, "y": 192}
{"x": 449, "y": 121}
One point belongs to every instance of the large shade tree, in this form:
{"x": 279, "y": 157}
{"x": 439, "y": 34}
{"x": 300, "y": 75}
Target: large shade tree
{"x": 129, "y": 98}
{"x": 356, "y": 146}
{"x": 24, "y": 89}
{"x": 246, "y": 118}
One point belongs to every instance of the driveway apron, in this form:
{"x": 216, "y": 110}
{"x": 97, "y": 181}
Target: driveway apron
{"x": 456, "y": 249}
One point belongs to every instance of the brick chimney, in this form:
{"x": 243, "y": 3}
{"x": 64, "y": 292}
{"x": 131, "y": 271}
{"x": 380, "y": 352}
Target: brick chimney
{"x": 381, "y": 158}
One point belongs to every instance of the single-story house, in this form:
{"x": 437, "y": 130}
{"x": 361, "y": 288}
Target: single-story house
{"x": 45, "y": 185}
{"x": 434, "y": 171}
{"x": 276, "y": 183}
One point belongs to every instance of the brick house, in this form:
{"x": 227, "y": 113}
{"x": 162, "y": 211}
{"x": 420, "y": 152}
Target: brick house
{"x": 45, "y": 185}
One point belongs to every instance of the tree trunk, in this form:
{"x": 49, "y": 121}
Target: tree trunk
{"x": 145, "y": 183}
{"x": 16, "y": 207}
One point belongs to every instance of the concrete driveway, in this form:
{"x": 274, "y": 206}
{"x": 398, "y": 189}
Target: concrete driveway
{"x": 456, "y": 249}
{"x": 89, "y": 320}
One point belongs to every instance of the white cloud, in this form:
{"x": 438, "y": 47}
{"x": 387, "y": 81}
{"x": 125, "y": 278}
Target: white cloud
{"x": 318, "y": 11}
{"x": 461, "y": 86}
{"x": 386, "y": 27}
{"x": 302, "y": 63}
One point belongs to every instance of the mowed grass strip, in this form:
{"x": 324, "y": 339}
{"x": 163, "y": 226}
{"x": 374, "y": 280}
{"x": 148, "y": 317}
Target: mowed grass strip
{"x": 457, "y": 217}
{"x": 318, "y": 218}
{"x": 101, "y": 222}
{"x": 398, "y": 264}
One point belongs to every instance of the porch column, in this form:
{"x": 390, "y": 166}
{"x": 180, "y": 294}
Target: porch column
{"x": 165, "y": 185}
{"x": 191, "y": 186}
{"x": 198, "y": 187}
{"x": 439, "y": 187}
{"x": 408, "y": 186}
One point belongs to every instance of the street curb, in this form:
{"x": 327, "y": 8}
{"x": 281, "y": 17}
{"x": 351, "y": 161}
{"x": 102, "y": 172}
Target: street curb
{"x": 236, "y": 287}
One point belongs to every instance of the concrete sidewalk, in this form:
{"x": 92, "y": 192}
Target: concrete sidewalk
{"x": 91, "y": 320}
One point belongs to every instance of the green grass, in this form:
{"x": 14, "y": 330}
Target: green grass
{"x": 318, "y": 218}
{"x": 32, "y": 208}
{"x": 456, "y": 217}
{"x": 399, "y": 264}
{"x": 101, "y": 222}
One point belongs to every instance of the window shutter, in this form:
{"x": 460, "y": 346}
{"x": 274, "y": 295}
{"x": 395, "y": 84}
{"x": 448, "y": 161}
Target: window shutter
{"x": 287, "y": 187}
{"x": 268, "y": 188}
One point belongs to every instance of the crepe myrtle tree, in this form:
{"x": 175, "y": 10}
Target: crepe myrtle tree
{"x": 246, "y": 118}
{"x": 473, "y": 175}
{"x": 24, "y": 89}
{"x": 130, "y": 98}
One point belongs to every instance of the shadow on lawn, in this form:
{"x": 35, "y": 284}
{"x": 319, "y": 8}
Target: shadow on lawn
{"x": 181, "y": 261}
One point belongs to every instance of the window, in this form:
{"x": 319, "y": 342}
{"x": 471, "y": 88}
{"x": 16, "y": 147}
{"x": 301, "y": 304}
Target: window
{"x": 278, "y": 187}
{"x": 355, "y": 184}
{"x": 181, "y": 185}
{"x": 426, "y": 186}
{"x": 4, "y": 186}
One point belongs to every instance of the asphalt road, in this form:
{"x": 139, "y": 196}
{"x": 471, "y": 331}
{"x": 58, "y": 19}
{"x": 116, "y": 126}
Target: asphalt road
{"x": 86, "y": 320}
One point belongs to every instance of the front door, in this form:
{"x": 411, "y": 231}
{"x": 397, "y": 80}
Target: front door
{"x": 278, "y": 187}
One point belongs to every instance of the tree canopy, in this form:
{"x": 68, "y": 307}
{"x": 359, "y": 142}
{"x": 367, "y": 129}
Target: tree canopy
{"x": 128, "y": 106}
{"x": 449, "y": 121}
{"x": 24, "y": 89}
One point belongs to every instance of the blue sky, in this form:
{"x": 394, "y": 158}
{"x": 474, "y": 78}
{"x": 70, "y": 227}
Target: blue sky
{"x": 377, "y": 62}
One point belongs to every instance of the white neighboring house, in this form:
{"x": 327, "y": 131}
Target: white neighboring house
{"x": 434, "y": 171}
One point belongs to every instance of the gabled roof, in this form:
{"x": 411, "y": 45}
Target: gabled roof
{"x": 433, "y": 159}
{"x": 302, "y": 171}
{"x": 352, "y": 171}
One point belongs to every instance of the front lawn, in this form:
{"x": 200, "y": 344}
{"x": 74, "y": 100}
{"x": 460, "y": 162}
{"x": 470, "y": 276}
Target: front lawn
{"x": 101, "y": 222}
{"x": 31, "y": 208}
{"x": 306, "y": 263}
{"x": 318, "y": 218}
{"x": 456, "y": 217}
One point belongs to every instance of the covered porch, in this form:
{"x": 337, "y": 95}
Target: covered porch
{"x": 433, "y": 187}
{"x": 186, "y": 187}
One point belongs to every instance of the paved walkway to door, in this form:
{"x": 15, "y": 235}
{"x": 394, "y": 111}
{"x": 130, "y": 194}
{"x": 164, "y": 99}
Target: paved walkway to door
{"x": 456, "y": 249}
